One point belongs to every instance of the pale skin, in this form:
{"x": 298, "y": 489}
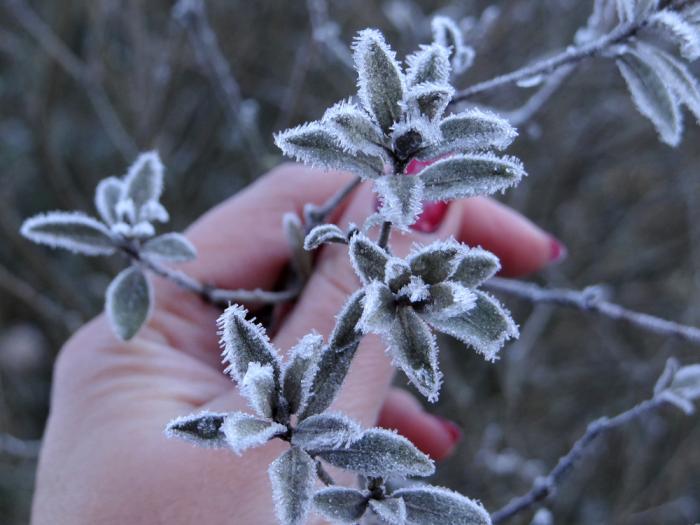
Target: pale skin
{"x": 105, "y": 459}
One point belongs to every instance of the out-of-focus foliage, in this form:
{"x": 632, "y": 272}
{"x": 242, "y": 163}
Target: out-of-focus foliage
{"x": 625, "y": 205}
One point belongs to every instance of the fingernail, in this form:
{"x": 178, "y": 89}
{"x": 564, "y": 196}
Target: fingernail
{"x": 557, "y": 251}
{"x": 451, "y": 428}
{"x": 431, "y": 218}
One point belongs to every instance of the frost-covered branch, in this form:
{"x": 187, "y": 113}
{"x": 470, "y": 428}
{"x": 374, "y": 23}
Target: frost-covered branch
{"x": 19, "y": 448}
{"x": 677, "y": 386}
{"x": 590, "y": 300}
{"x": 571, "y": 56}
{"x": 71, "y": 64}
{"x": 315, "y": 215}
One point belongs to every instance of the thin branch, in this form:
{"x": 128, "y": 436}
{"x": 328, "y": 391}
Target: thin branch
{"x": 525, "y": 112}
{"x": 590, "y": 300}
{"x": 76, "y": 68}
{"x": 216, "y": 296}
{"x": 571, "y": 55}
{"x": 19, "y": 448}
{"x": 384, "y": 235}
{"x": 543, "y": 487}
{"x": 315, "y": 215}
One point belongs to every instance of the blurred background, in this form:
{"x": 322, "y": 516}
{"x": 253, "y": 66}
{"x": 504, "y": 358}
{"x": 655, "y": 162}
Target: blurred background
{"x": 86, "y": 84}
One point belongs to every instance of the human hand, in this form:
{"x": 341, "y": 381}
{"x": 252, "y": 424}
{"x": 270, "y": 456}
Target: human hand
{"x": 105, "y": 459}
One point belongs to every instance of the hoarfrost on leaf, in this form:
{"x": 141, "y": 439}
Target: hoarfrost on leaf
{"x": 355, "y": 129}
{"x": 428, "y": 505}
{"x": 430, "y": 64}
{"x": 299, "y": 371}
{"x": 340, "y": 504}
{"x": 107, "y": 195}
{"x": 202, "y": 429}
{"x": 322, "y": 234}
{"x": 172, "y": 247}
{"x": 292, "y": 476}
{"x": 128, "y": 302}
{"x": 243, "y": 431}
{"x": 72, "y": 231}
{"x": 323, "y": 431}
{"x": 401, "y": 199}
{"x": 144, "y": 180}
{"x": 448, "y": 34}
{"x": 674, "y": 26}
{"x": 368, "y": 259}
{"x": 260, "y": 389}
{"x": 345, "y": 332}
{"x": 390, "y": 510}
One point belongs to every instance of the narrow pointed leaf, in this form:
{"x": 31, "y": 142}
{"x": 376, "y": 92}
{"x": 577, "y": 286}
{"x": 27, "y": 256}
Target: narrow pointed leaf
{"x": 170, "y": 247}
{"x": 381, "y": 82}
{"x": 333, "y": 366}
{"x": 401, "y": 198}
{"x": 317, "y": 145}
{"x": 355, "y": 129}
{"x": 449, "y": 299}
{"x": 323, "y": 234}
{"x": 202, "y": 429}
{"x": 244, "y": 342}
{"x": 324, "y": 431}
{"x": 413, "y": 348}
{"x": 475, "y": 266}
{"x": 260, "y": 390}
{"x": 340, "y": 504}
{"x": 652, "y": 97}
{"x": 128, "y": 302}
{"x": 72, "y": 231}
{"x": 292, "y": 476}
{"x": 243, "y": 431}
{"x": 298, "y": 374}
{"x": 470, "y": 175}
{"x": 379, "y": 453}
{"x": 431, "y": 99}
{"x": 397, "y": 274}
{"x": 368, "y": 259}
{"x": 435, "y": 262}
{"x": 486, "y": 327}
{"x": 379, "y": 309}
{"x": 674, "y": 26}
{"x": 429, "y": 64}
{"x": 427, "y": 505}
{"x": 448, "y": 34}
{"x": 390, "y": 510}
{"x": 107, "y": 196}
{"x": 686, "y": 382}
{"x": 144, "y": 180}
{"x": 346, "y": 332}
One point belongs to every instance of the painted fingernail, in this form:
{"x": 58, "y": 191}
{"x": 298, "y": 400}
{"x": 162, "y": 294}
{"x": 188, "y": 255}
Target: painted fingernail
{"x": 431, "y": 218}
{"x": 451, "y": 428}
{"x": 557, "y": 251}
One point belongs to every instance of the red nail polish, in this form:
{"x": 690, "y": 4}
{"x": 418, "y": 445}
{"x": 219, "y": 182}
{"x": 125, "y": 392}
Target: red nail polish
{"x": 431, "y": 218}
{"x": 557, "y": 251}
{"x": 451, "y": 428}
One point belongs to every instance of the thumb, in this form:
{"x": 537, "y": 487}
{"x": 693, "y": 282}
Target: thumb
{"x": 367, "y": 383}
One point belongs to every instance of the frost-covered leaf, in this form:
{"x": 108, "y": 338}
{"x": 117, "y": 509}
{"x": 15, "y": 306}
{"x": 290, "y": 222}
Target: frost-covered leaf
{"x": 302, "y": 261}
{"x": 428, "y": 505}
{"x": 390, "y": 510}
{"x": 379, "y": 309}
{"x": 625, "y": 10}
{"x": 397, "y": 274}
{"x": 299, "y": 372}
{"x": 486, "y": 327}
{"x": 259, "y": 388}
{"x": 673, "y": 25}
{"x": 413, "y": 348}
{"x": 128, "y": 302}
{"x": 435, "y": 262}
{"x": 243, "y": 431}
{"x": 202, "y": 429}
{"x": 107, "y": 196}
{"x": 322, "y": 234}
{"x": 672, "y": 366}
{"x": 429, "y": 64}
{"x": 652, "y": 97}
{"x": 72, "y": 231}
{"x": 475, "y": 266}
{"x": 153, "y": 211}
{"x": 470, "y": 175}
{"x": 292, "y": 476}
{"x": 401, "y": 198}
{"x": 686, "y": 383}
{"x": 340, "y": 504}
{"x": 170, "y": 247}
{"x": 345, "y": 332}
{"x": 379, "y": 453}
{"x": 448, "y": 34}
{"x": 471, "y": 130}
{"x": 380, "y": 79}
{"x": 431, "y": 99}
{"x": 325, "y": 431}
{"x": 368, "y": 259}
{"x": 244, "y": 342}
{"x": 144, "y": 180}
{"x": 315, "y": 144}
{"x": 355, "y": 129}
{"x": 333, "y": 366}
{"x": 449, "y": 299}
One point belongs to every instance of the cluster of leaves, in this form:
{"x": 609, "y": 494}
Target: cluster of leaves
{"x": 304, "y": 386}
{"x": 659, "y": 80}
{"x": 128, "y": 208}
{"x": 401, "y": 118}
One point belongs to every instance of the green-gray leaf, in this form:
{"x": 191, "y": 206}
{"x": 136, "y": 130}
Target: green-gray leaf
{"x": 379, "y": 77}
{"x": 345, "y": 332}
{"x": 340, "y": 504}
{"x": 299, "y": 372}
{"x": 390, "y": 510}
{"x": 322, "y": 234}
{"x": 429, "y": 64}
{"x": 202, "y": 429}
{"x": 401, "y": 199}
{"x": 259, "y": 388}
{"x": 244, "y": 431}
{"x": 323, "y": 431}
{"x": 470, "y": 175}
{"x": 128, "y": 303}
{"x": 428, "y": 505}
{"x": 355, "y": 129}
{"x": 170, "y": 247}
{"x": 292, "y": 476}
{"x": 475, "y": 266}
{"x": 368, "y": 258}
{"x": 107, "y": 196}
{"x": 144, "y": 180}
{"x": 72, "y": 231}
{"x": 435, "y": 262}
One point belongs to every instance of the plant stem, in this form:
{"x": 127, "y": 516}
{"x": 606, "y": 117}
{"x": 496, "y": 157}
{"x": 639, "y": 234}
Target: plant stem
{"x": 571, "y": 55}
{"x": 591, "y": 301}
{"x": 543, "y": 487}
{"x": 315, "y": 215}
{"x": 384, "y": 234}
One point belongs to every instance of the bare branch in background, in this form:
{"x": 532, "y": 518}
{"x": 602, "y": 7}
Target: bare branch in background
{"x": 19, "y": 448}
